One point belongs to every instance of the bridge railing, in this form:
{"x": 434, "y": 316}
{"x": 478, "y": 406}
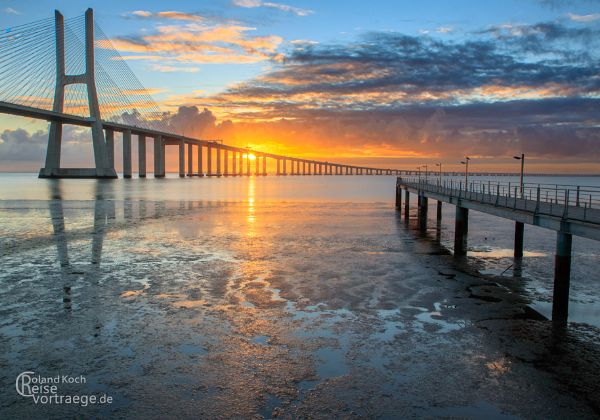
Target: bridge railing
{"x": 566, "y": 201}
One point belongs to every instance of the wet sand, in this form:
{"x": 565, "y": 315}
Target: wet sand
{"x": 217, "y": 310}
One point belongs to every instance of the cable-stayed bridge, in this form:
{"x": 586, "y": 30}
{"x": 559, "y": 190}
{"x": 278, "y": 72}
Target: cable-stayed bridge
{"x": 67, "y": 71}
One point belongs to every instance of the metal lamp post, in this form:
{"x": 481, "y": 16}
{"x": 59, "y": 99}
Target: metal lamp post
{"x": 522, "y": 159}
{"x": 440, "y": 165}
{"x": 466, "y": 163}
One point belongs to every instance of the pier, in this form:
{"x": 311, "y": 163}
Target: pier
{"x": 568, "y": 210}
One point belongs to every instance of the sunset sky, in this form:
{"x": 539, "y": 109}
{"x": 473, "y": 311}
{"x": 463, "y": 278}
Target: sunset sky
{"x": 387, "y": 83}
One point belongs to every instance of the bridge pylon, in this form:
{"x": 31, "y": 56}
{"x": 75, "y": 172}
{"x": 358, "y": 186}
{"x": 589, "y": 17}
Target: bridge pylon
{"x": 104, "y": 167}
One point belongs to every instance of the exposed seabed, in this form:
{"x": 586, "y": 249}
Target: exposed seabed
{"x": 239, "y": 309}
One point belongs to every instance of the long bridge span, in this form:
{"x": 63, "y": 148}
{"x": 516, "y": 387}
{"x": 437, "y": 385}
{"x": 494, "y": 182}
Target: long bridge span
{"x": 86, "y": 87}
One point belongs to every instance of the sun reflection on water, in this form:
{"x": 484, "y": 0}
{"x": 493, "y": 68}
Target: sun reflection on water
{"x": 251, "y": 218}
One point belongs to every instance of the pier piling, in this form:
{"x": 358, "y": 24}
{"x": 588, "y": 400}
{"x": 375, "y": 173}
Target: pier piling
{"x": 461, "y": 230}
{"x": 562, "y": 278}
{"x": 519, "y": 234}
{"x": 423, "y": 206}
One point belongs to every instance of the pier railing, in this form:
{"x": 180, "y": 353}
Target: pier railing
{"x": 565, "y": 201}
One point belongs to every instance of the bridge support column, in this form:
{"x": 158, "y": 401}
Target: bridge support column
{"x": 234, "y": 163}
{"x": 110, "y": 146}
{"x": 248, "y": 170}
{"x": 398, "y": 197}
{"x": 284, "y": 167}
{"x": 406, "y": 205}
{"x": 200, "y": 169}
{"x": 439, "y": 211}
{"x": 519, "y": 234}
{"x": 241, "y": 173}
{"x": 141, "y": 156}
{"x": 159, "y": 151}
{"x": 209, "y": 160}
{"x": 190, "y": 160}
{"x": 226, "y": 163}
{"x": 264, "y": 166}
{"x": 461, "y": 230}
{"x": 562, "y": 278}
{"x": 218, "y": 150}
{"x": 52, "y": 168}
{"x": 127, "y": 154}
{"x": 181, "y": 148}
{"x": 278, "y": 166}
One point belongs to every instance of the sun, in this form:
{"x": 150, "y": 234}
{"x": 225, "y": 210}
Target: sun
{"x": 251, "y": 156}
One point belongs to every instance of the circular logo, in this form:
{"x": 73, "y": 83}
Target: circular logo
{"x": 23, "y": 384}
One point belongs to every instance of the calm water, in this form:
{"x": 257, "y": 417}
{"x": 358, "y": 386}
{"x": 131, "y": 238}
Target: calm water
{"x": 283, "y": 296}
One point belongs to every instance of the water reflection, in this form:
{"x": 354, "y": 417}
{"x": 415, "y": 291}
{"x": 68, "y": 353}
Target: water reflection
{"x": 234, "y": 309}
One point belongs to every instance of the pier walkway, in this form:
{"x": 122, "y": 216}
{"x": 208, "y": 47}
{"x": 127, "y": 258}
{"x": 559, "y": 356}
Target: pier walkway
{"x": 568, "y": 210}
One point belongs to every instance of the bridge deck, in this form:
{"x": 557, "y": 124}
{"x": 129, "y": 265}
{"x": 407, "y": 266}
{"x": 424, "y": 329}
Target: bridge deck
{"x": 570, "y": 210}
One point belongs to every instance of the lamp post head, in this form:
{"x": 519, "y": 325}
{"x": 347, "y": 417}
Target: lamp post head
{"x": 517, "y": 157}
{"x": 464, "y": 163}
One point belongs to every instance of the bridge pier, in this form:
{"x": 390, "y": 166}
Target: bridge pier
{"x": 461, "y": 230}
{"x": 110, "y": 146}
{"x": 241, "y": 170}
{"x": 562, "y": 278}
{"x": 52, "y": 169}
{"x": 159, "y": 157}
{"x": 126, "y": 154}
{"x": 264, "y": 168}
{"x": 439, "y": 211}
{"x": 519, "y": 234}
{"x": 181, "y": 152}
{"x": 406, "y": 204}
{"x": 218, "y": 150}
{"x": 226, "y": 163}
{"x": 190, "y": 160}
{"x": 248, "y": 164}
{"x": 234, "y": 163}
{"x": 398, "y": 197}
{"x": 141, "y": 156}
{"x": 209, "y": 160}
{"x": 200, "y": 170}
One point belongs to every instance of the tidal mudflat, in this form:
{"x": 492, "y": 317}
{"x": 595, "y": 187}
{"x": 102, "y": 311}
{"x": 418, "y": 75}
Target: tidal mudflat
{"x": 275, "y": 307}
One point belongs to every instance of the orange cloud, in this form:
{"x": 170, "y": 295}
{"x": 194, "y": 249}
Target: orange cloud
{"x": 168, "y": 15}
{"x": 198, "y": 43}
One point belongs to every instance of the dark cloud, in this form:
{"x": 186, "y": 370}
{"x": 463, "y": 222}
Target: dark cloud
{"x": 18, "y": 147}
{"x": 506, "y": 89}
{"x": 422, "y": 69}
